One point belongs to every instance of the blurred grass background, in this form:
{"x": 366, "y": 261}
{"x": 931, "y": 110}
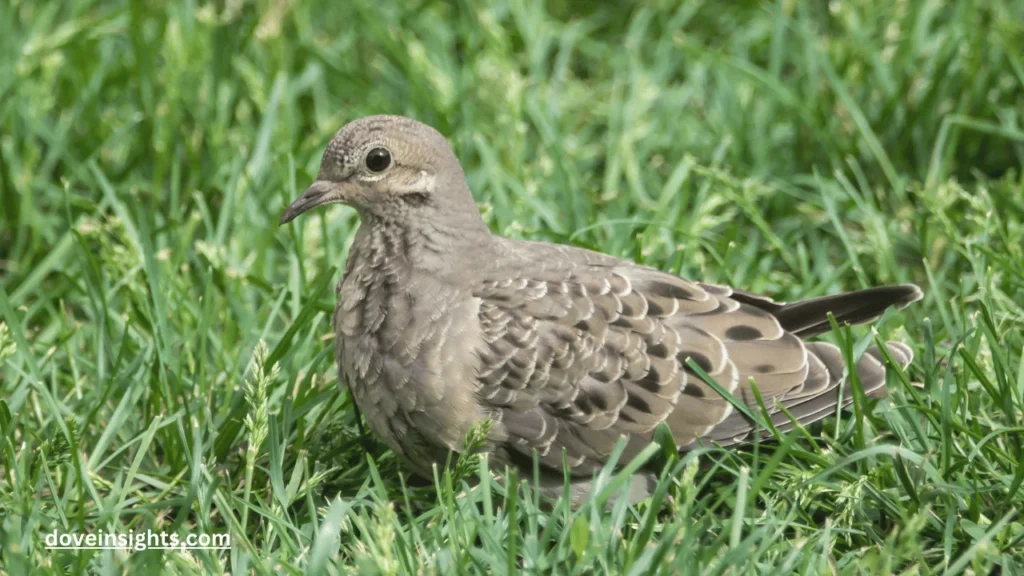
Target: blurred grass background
{"x": 792, "y": 148}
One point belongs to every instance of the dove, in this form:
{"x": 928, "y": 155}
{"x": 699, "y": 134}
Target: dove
{"x": 441, "y": 325}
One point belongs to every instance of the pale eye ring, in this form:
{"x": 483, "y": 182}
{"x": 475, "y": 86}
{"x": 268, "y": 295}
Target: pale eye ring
{"x": 378, "y": 159}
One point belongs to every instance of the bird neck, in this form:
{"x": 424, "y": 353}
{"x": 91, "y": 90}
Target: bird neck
{"x": 398, "y": 242}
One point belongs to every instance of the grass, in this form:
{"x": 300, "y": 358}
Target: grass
{"x": 795, "y": 149}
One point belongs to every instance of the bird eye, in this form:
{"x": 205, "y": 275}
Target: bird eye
{"x": 378, "y": 160}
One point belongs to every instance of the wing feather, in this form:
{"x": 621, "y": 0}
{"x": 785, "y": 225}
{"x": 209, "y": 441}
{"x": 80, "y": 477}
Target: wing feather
{"x": 576, "y": 355}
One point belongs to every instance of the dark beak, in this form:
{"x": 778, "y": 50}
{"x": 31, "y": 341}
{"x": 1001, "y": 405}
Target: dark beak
{"x": 320, "y": 192}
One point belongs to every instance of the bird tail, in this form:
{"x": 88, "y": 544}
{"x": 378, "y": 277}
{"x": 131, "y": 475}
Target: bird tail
{"x": 814, "y": 405}
{"x": 819, "y": 395}
{"x": 810, "y": 317}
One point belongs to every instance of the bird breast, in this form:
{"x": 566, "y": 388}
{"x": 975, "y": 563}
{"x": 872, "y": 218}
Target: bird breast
{"x": 402, "y": 348}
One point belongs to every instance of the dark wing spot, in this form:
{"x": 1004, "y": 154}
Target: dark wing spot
{"x": 599, "y": 402}
{"x": 653, "y": 309}
{"x": 698, "y": 358}
{"x": 764, "y": 368}
{"x": 585, "y": 403}
{"x": 693, "y": 390}
{"x": 742, "y": 332}
{"x": 659, "y": 350}
{"x": 670, "y": 290}
{"x": 639, "y": 403}
{"x": 651, "y": 381}
{"x": 622, "y": 322}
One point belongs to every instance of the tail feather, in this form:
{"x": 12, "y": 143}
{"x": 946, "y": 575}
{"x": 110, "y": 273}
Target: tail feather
{"x": 812, "y": 392}
{"x": 809, "y": 409}
{"x": 810, "y": 317}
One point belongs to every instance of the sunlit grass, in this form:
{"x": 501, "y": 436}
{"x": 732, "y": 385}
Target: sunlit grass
{"x": 795, "y": 149}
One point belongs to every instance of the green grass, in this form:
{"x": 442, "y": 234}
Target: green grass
{"x": 791, "y": 148}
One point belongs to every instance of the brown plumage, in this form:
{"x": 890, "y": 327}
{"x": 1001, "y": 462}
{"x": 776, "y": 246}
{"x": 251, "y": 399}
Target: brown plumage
{"x": 441, "y": 324}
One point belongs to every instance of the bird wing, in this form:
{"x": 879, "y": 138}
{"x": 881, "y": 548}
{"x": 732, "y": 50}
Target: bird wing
{"x": 573, "y": 358}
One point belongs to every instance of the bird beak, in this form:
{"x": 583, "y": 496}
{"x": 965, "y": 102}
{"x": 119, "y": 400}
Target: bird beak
{"x": 319, "y": 193}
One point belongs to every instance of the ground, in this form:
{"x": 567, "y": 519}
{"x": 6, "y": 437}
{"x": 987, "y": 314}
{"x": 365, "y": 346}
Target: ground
{"x": 795, "y": 149}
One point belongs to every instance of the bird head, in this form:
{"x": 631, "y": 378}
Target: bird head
{"x": 387, "y": 165}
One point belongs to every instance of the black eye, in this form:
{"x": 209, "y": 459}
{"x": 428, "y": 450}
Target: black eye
{"x": 378, "y": 160}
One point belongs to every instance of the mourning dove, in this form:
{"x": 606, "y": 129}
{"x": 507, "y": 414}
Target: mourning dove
{"x": 441, "y": 324}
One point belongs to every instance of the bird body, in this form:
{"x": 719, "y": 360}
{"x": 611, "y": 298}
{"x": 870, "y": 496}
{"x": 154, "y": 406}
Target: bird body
{"x": 401, "y": 334}
{"x": 441, "y": 324}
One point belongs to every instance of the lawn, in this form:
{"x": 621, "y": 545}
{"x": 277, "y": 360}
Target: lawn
{"x": 166, "y": 354}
